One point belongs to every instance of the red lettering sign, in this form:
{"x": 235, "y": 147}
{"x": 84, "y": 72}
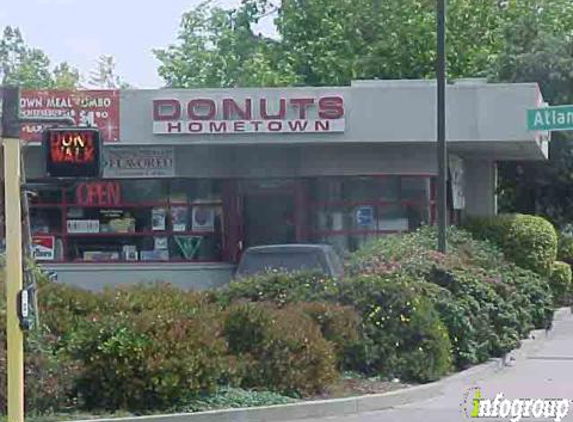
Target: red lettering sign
{"x": 105, "y": 194}
{"x": 224, "y": 115}
{"x": 94, "y": 108}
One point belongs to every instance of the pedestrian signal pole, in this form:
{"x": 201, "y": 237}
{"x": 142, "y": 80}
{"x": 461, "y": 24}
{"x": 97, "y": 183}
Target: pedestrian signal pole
{"x": 13, "y": 274}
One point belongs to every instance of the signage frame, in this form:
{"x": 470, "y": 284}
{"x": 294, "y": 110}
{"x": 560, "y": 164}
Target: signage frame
{"x": 72, "y": 170}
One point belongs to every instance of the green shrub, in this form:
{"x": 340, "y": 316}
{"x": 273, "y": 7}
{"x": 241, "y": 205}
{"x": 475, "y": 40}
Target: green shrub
{"x": 338, "y": 324}
{"x": 527, "y": 240}
{"x": 565, "y": 248}
{"x": 285, "y": 348}
{"x": 279, "y": 288}
{"x": 62, "y": 307}
{"x": 486, "y": 303}
{"x": 153, "y": 360}
{"x": 532, "y": 244}
{"x": 495, "y": 321}
{"x": 404, "y": 336}
{"x": 560, "y": 282}
{"x": 227, "y": 398}
{"x": 530, "y": 296}
{"x": 48, "y": 377}
{"x": 493, "y": 229}
{"x": 143, "y": 297}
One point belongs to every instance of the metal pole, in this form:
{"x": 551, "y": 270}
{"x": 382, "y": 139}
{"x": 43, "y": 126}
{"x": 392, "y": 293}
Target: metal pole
{"x": 14, "y": 279}
{"x": 442, "y": 208}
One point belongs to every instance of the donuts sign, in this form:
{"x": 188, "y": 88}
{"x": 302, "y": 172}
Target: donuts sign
{"x": 227, "y": 115}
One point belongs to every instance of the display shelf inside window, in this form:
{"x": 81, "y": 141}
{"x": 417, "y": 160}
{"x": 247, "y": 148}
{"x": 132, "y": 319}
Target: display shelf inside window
{"x": 142, "y": 220}
{"x": 196, "y": 232}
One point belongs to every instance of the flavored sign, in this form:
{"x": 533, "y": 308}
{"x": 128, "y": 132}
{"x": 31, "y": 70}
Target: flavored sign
{"x": 96, "y": 108}
{"x": 195, "y": 116}
{"x": 139, "y": 162}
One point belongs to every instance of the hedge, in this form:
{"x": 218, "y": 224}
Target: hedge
{"x": 565, "y": 248}
{"x": 283, "y": 349}
{"x": 403, "y": 334}
{"x": 560, "y": 282}
{"x": 338, "y": 324}
{"x": 493, "y": 229}
{"x": 486, "y": 303}
{"x": 403, "y": 311}
{"x": 153, "y": 361}
{"x": 529, "y": 241}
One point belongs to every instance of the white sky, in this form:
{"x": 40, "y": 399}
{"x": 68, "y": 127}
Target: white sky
{"x": 78, "y": 31}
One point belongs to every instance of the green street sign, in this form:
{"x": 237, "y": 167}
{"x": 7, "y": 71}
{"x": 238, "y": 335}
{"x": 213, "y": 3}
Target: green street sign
{"x": 550, "y": 118}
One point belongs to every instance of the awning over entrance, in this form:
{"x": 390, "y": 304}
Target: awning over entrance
{"x": 482, "y": 118}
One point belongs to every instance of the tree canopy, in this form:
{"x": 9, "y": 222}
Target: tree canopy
{"x": 105, "y": 76}
{"x": 331, "y": 42}
{"x": 29, "y": 67}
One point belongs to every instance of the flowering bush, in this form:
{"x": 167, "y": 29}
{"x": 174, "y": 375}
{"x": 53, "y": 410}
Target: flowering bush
{"x": 338, "y": 324}
{"x": 403, "y": 334}
{"x": 489, "y": 305}
{"x": 152, "y": 361}
{"x": 284, "y": 348}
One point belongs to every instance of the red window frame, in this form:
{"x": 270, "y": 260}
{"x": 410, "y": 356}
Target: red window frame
{"x": 63, "y": 206}
{"x": 431, "y": 205}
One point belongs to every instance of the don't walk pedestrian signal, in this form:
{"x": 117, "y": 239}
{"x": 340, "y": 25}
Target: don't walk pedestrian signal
{"x": 73, "y": 152}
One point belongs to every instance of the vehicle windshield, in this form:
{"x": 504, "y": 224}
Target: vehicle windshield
{"x": 256, "y": 262}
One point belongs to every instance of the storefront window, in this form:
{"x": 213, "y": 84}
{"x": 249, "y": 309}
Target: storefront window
{"x": 129, "y": 220}
{"x": 415, "y": 189}
{"x": 349, "y": 211}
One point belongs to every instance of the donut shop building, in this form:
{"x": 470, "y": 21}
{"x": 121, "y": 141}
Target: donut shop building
{"x": 193, "y": 177}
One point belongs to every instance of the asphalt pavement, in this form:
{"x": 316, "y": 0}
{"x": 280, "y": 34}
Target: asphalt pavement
{"x": 543, "y": 371}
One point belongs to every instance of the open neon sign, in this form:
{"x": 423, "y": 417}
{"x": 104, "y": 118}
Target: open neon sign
{"x": 73, "y": 152}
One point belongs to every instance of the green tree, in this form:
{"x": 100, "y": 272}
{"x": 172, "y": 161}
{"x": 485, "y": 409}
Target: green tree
{"x": 105, "y": 76}
{"x": 218, "y": 48}
{"x": 539, "y": 48}
{"x": 30, "y": 67}
{"x": 66, "y": 77}
{"x": 544, "y": 188}
{"x": 331, "y": 42}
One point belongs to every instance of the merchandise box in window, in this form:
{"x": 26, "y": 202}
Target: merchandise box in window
{"x": 122, "y": 225}
{"x": 83, "y": 226}
{"x": 130, "y": 253}
{"x": 161, "y": 243}
{"x": 155, "y": 255}
{"x": 179, "y": 218}
{"x": 158, "y": 217}
{"x": 44, "y": 247}
{"x": 203, "y": 218}
{"x": 100, "y": 256}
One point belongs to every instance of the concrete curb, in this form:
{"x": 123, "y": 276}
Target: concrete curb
{"x": 351, "y": 405}
{"x": 321, "y": 408}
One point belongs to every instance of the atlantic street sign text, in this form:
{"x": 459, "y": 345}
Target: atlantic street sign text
{"x": 550, "y": 118}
